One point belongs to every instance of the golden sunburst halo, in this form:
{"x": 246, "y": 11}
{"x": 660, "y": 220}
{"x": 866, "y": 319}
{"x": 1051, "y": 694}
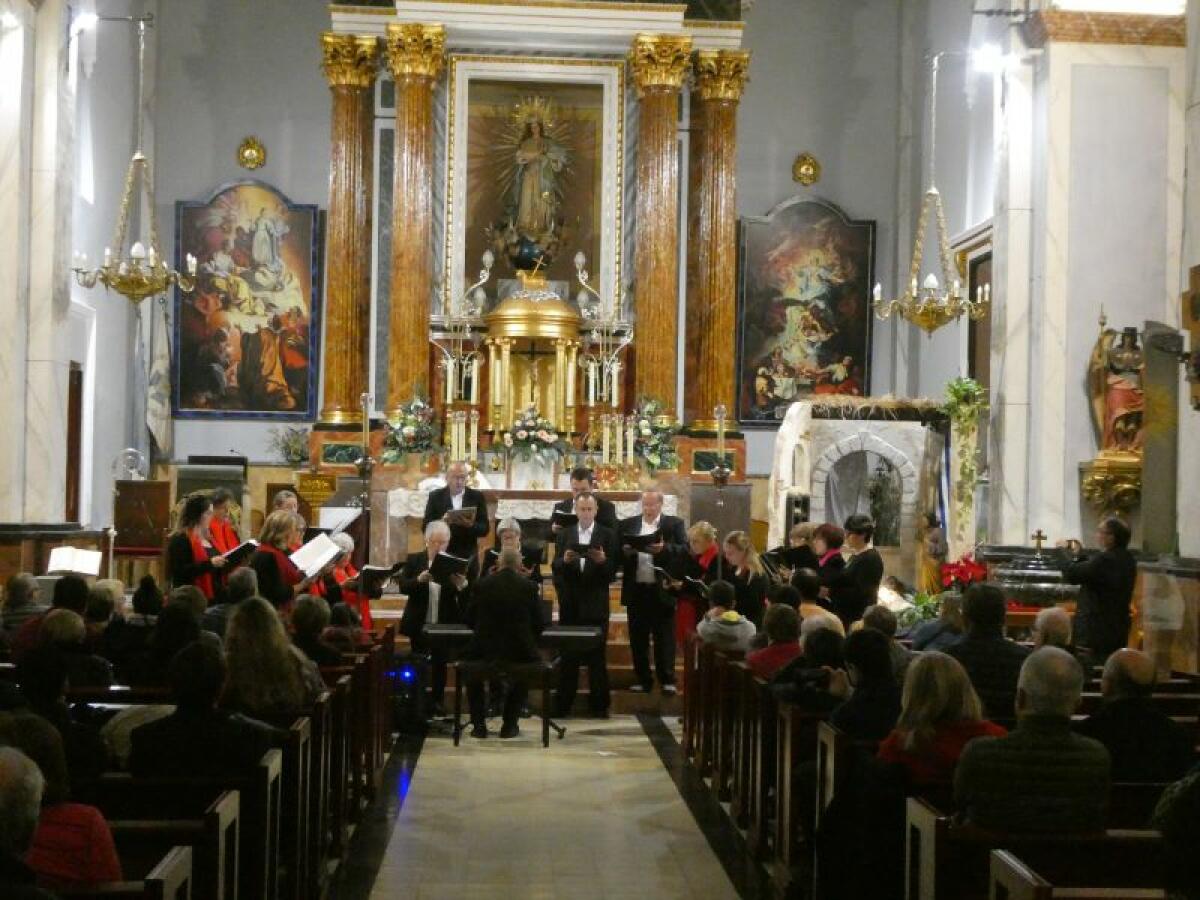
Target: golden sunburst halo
{"x": 533, "y": 109}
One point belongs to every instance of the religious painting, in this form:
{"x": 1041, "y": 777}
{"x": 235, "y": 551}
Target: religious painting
{"x": 533, "y": 175}
{"x": 246, "y": 338}
{"x": 804, "y": 295}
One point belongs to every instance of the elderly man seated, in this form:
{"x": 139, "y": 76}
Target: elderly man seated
{"x": 21, "y": 786}
{"x": 1041, "y": 777}
{"x": 1145, "y": 744}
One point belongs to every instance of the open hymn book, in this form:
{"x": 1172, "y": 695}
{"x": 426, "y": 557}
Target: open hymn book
{"x": 74, "y": 561}
{"x": 316, "y": 555}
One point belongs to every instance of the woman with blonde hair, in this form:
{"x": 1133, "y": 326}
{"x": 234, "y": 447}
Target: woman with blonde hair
{"x": 700, "y": 567}
{"x": 747, "y": 575}
{"x": 279, "y": 581}
{"x": 268, "y": 677}
{"x": 940, "y": 712}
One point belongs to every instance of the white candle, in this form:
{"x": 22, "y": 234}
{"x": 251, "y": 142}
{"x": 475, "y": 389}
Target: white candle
{"x": 474, "y": 379}
{"x": 450, "y": 369}
{"x": 629, "y": 426}
{"x": 474, "y": 446}
{"x": 912, "y": 288}
{"x": 137, "y": 251}
{"x": 617, "y": 436}
{"x": 604, "y": 433}
{"x": 571, "y": 383}
{"x": 108, "y": 256}
{"x": 191, "y": 264}
{"x": 591, "y": 383}
{"x": 877, "y": 294}
{"x": 615, "y": 385}
{"x": 153, "y": 257}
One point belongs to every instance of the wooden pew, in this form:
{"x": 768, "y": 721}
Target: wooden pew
{"x": 213, "y": 839}
{"x": 796, "y": 744}
{"x": 725, "y": 684}
{"x": 691, "y": 694}
{"x": 121, "y": 796}
{"x": 745, "y": 728}
{"x": 761, "y": 806}
{"x": 297, "y": 773}
{"x": 171, "y": 879}
{"x": 356, "y": 738}
{"x": 1011, "y": 879}
{"x": 320, "y": 717}
{"x": 944, "y": 861}
{"x": 706, "y": 712}
{"x": 340, "y": 785}
{"x": 1170, "y": 704}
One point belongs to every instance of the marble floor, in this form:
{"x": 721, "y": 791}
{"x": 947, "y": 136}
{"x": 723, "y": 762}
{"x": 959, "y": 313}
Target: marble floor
{"x": 596, "y": 815}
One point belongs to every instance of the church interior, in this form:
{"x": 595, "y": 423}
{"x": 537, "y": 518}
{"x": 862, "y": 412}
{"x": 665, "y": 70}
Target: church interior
{"x": 821, "y": 378}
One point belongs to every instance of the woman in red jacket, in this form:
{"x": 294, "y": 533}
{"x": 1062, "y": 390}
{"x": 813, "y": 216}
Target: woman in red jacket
{"x": 279, "y": 581}
{"x": 702, "y": 563}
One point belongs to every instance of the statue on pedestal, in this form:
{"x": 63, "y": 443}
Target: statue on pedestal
{"x": 1112, "y": 482}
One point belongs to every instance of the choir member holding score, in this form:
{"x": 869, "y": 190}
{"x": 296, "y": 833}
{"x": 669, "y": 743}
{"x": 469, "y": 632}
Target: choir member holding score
{"x": 701, "y": 567}
{"x": 192, "y": 557}
{"x": 279, "y": 581}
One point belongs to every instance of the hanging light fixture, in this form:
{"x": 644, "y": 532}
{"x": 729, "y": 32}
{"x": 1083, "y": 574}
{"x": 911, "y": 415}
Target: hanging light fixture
{"x": 931, "y": 303}
{"x": 140, "y": 272}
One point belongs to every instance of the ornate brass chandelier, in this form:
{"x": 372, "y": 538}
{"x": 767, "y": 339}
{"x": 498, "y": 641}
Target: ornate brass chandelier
{"x": 459, "y": 337}
{"x": 606, "y": 337}
{"x": 142, "y": 272}
{"x": 930, "y": 304}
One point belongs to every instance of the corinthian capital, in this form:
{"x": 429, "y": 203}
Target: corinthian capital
{"x": 659, "y": 61}
{"x": 414, "y": 49}
{"x": 349, "y": 59}
{"x": 720, "y": 74}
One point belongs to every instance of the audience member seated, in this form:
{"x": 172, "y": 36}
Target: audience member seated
{"x": 781, "y": 624}
{"x": 872, "y": 696}
{"x": 1145, "y": 744}
{"x": 784, "y": 595}
{"x": 1176, "y": 815}
{"x": 946, "y": 630}
{"x": 939, "y": 713}
{"x": 22, "y": 601}
{"x": 821, "y": 620}
{"x": 723, "y": 626}
{"x": 194, "y": 599}
{"x": 808, "y": 583}
{"x": 65, "y": 634}
{"x": 309, "y": 620}
{"x": 805, "y": 680}
{"x": 881, "y": 619}
{"x": 345, "y": 628}
{"x": 199, "y": 738}
{"x": 125, "y": 638}
{"x": 1042, "y": 777}
{"x": 241, "y": 584}
{"x": 268, "y": 679}
{"x": 72, "y": 847}
{"x": 1052, "y": 628}
{"x": 175, "y": 628}
{"x": 70, "y": 592}
{"x": 43, "y": 680}
{"x": 991, "y": 659}
{"x": 101, "y": 609}
{"x": 21, "y": 786}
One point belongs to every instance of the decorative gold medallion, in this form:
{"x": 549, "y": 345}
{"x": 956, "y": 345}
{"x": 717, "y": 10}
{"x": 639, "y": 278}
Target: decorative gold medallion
{"x": 806, "y": 169}
{"x": 251, "y": 154}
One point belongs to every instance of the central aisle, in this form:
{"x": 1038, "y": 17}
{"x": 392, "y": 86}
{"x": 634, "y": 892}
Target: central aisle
{"x": 594, "y": 817}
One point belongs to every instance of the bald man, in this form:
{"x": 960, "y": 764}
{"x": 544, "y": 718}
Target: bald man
{"x": 1145, "y": 744}
{"x": 456, "y": 495}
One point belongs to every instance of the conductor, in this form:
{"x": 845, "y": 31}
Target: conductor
{"x": 508, "y": 619}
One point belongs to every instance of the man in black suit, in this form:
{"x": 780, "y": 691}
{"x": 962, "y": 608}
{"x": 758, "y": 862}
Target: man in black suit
{"x": 198, "y": 738}
{"x": 583, "y": 481}
{"x": 1102, "y": 616}
{"x": 583, "y": 600}
{"x": 856, "y": 587}
{"x": 424, "y": 594}
{"x": 651, "y": 609}
{"x": 464, "y": 539}
{"x": 507, "y": 618}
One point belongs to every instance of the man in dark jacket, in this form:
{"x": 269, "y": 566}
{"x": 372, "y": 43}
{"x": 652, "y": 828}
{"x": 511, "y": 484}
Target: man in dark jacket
{"x": 1145, "y": 744}
{"x": 198, "y": 738}
{"x": 442, "y": 503}
{"x": 1041, "y": 777}
{"x": 1102, "y": 616}
{"x": 856, "y": 587}
{"x": 650, "y": 607}
{"x": 992, "y": 661}
{"x": 585, "y": 579}
{"x": 507, "y": 616}
{"x": 583, "y": 481}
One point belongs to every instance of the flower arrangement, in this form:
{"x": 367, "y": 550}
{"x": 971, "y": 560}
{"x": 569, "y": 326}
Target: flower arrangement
{"x": 924, "y": 607}
{"x": 957, "y": 576}
{"x": 291, "y": 443}
{"x": 411, "y": 432}
{"x": 654, "y": 437}
{"x": 535, "y": 437}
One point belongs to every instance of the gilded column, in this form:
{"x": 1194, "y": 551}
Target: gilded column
{"x": 350, "y": 63}
{"x": 719, "y": 77}
{"x": 415, "y": 55}
{"x": 659, "y": 64}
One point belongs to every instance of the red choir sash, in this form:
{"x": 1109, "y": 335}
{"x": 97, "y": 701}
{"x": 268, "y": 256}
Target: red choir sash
{"x": 355, "y": 599}
{"x": 224, "y": 538}
{"x": 200, "y": 555}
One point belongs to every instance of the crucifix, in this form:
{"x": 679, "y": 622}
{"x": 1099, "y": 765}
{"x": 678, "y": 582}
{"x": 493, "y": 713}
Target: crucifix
{"x": 1039, "y": 537}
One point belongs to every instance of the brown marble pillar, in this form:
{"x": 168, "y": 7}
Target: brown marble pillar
{"x": 350, "y": 63}
{"x": 415, "y": 56}
{"x": 659, "y": 64}
{"x": 719, "y": 76}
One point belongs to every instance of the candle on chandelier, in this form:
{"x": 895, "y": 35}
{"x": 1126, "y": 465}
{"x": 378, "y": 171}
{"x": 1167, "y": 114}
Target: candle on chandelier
{"x": 571, "y": 383}
{"x": 152, "y": 257}
{"x": 591, "y": 383}
{"x": 137, "y": 251}
{"x": 877, "y": 293}
{"x": 618, "y": 453}
{"x": 987, "y": 293}
{"x": 107, "y": 257}
{"x": 629, "y": 432}
{"x": 474, "y": 379}
{"x": 191, "y": 264}
{"x": 450, "y": 372}
{"x": 473, "y": 448}
{"x": 912, "y": 288}
{"x": 604, "y": 436}
{"x": 615, "y": 384}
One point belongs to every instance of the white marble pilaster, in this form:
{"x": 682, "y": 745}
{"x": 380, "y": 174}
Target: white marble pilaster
{"x": 1188, "y": 497}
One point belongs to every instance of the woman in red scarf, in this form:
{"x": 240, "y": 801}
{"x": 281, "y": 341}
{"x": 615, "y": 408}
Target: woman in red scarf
{"x": 345, "y": 577}
{"x": 192, "y": 558}
{"x": 702, "y": 563}
{"x": 279, "y": 581}
{"x": 224, "y": 535}
{"x": 827, "y": 543}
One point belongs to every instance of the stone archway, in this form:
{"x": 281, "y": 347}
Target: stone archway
{"x": 870, "y": 443}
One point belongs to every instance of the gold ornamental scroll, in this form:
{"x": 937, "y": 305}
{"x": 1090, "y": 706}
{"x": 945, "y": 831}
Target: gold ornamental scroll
{"x": 719, "y": 77}
{"x": 659, "y": 64}
{"x": 415, "y": 56}
{"x": 350, "y": 63}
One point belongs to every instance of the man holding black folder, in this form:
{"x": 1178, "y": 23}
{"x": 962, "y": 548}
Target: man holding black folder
{"x": 583, "y": 481}
{"x": 584, "y": 561}
{"x": 455, "y": 504}
{"x": 649, "y": 541}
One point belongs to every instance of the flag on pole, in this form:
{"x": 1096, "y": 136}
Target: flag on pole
{"x": 158, "y": 379}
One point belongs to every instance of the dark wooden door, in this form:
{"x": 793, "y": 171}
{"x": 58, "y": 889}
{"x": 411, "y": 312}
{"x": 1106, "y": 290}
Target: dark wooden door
{"x": 74, "y": 440}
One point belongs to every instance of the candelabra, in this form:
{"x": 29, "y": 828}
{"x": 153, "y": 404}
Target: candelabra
{"x": 459, "y": 340}
{"x": 142, "y": 273}
{"x": 607, "y": 337}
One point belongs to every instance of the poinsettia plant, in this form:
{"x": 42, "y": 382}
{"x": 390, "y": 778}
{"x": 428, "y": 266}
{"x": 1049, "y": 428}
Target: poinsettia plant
{"x": 535, "y": 437}
{"x": 412, "y": 431}
{"x": 654, "y": 435}
{"x": 966, "y": 571}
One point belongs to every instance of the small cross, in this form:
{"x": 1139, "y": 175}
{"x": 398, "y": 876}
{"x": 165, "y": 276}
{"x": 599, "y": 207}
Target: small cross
{"x": 1039, "y": 536}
